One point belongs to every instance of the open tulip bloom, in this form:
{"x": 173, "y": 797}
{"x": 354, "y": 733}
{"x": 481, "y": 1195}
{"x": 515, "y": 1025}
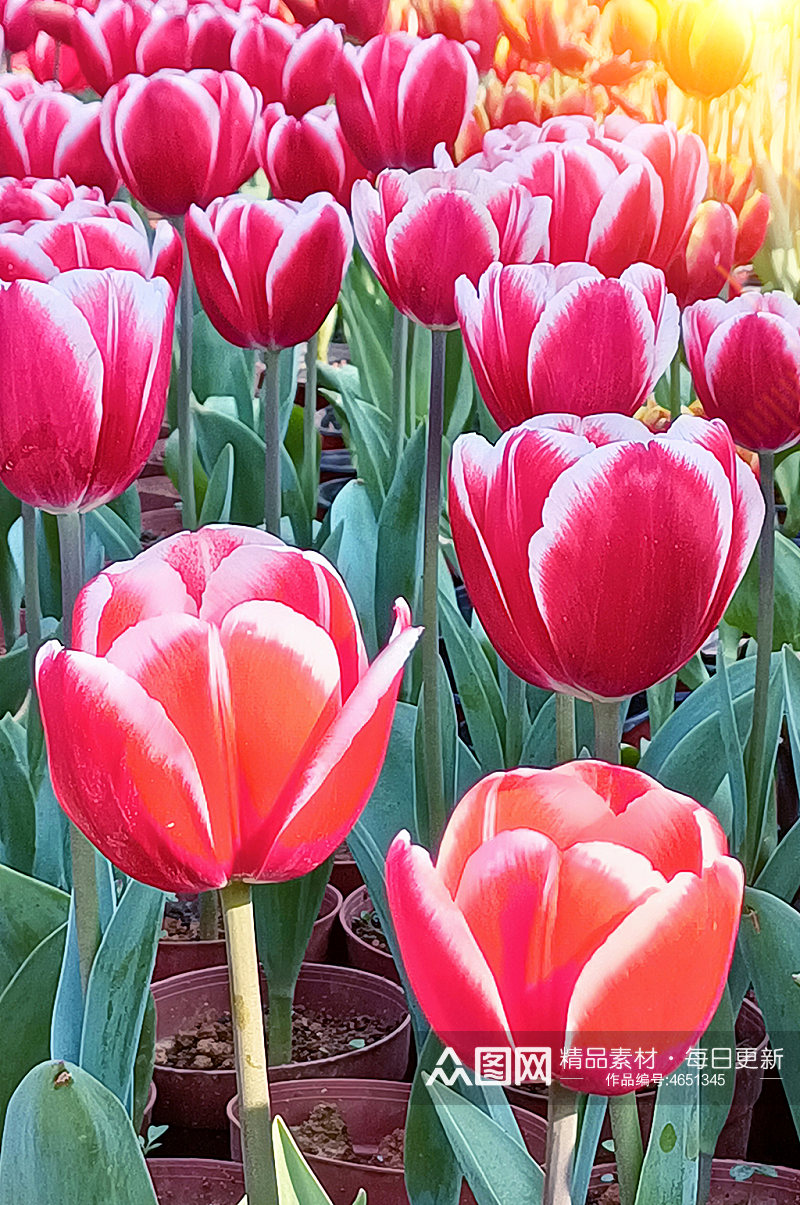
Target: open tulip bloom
{"x": 560, "y": 903}
{"x": 218, "y": 719}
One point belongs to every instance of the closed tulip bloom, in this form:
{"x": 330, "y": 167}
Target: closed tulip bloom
{"x": 706, "y": 46}
{"x": 399, "y": 96}
{"x": 744, "y": 356}
{"x": 295, "y": 67}
{"x": 32, "y": 199}
{"x": 544, "y": 339}
{"x": 568, "y": 528}
{"x": 269, "y": 272}
{"x": 223, "y": 720}
{"x": 105, "y": 41}
{"x": 304, "y": 155}
{"x": 560, "y": 904}
{"x": 49, "y": 133}
{"x": 47, "y": 59}
{"x": 85, "y": 362}
{"x": 422, "y": 230}
{"x": 187, "y": 36}
{"x": 360, "y": 19}
{"x": 144, "y": 124}
{"x": 704, "y": 265}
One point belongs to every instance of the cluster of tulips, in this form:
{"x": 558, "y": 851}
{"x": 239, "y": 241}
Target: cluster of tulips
{"x": 214, "y": 715}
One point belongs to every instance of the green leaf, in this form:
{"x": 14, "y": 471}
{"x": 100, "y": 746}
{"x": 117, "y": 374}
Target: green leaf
{"x": 716, "y": 1098}
{"x": 432, "y": 1172}
{"x": 68, "y": 1139}
{"x": 285, "y": 915}
{"x": 368, "y": 318}
{"x": 368, "y": 431}
{"x": 119, "y": 542}
{"x": 670, "y": 1168}
{"x": 17, "y": 805}
{"x": 213, "y": 432}
{"x": 353, "y": 518}
{"x": 297, "y": 1184}
{"x": 143, "y": 1064}
{"x": 11, "y": 588}
{"x": 459, "y": 388}
{"x": 221, "y": 370}
{"x": 399, "y": 559}
{"x": 477, "y": 687}
{"x": 497, "y": 1168}
{"x": 29, "y": 912}
{"x": 591, "y": 1125}
{"x": 742, "y": 610}
{"x": 219, "y": 491}
{"x": 787, "y": 476}
{"x": 781, "y": 874}
{"x": 448, "y": 728}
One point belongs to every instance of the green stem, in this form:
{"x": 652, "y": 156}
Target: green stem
{"x": 249, "y": 1045}
{"x": 271, "y": 405}
{"x": 310, "y": 454}
{"x": 209, "y": 904}
{"x": 280, "y": 1028}
{"x": 566, "y": 736}
{"x": 399, "y": 372}
{"x": 33, "y": 603}
{"x": 184, "y": 390}
{"x": 675, "y": 386}
{"x": 562, "y": 1135}
{"x": 516, "y": 712}
{"x": 627, "y": 1134}
{"x": 756, "y": 746}
{"x": 606, "y": 730}
{"x": 84, "y": 870}
{"x": 434, "y": 775}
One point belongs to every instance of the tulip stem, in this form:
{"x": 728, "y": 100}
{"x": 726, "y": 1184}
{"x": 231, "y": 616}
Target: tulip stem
{"x": 280, "y": 1028}
{"x": 271, "y": 405}
{"x": 33, "y": 603}
{"x": 310, "y": 454}
{"x": 250, "y": 1050}
{"x": 606, "y": 730}
{"x": 184, "y": 390}
{"x": 434, "y": 775}
{"x": 756, "y": 745}
{"x": 84, "y": 869}
{"x": 399, "y": 370}
{"x": 516, "y": 712}
{"x": 627, "y": 1133}
{"x": 562, "y": 1135}
{"x": 675, "y": 386}
{"x": 566, "y": 735}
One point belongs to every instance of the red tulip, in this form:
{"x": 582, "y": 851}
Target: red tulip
{"x": 269, "y": 272}
{"x": 476, "y": 21}
{"x": 560, "y": 905}
{"x": 400, "y": 96}
{"x": 187, "y": 36}
{"x": 544, "y": 339}
{"x": 91, "y": 236}
{"x": 223, "y": 720}
{"x": 304, "y": 155}
{"x": 360, "y": 19}
{"x": 144, "y": 125}
{"x": 295, "y": 67}
{"x": 85, "y": 362}
{"x": 105, "y": 41}
{"x": 49, "y": 133}
{"x": 423, "y": 230}
{"x": 744, "y": 357}
{"x": 23, "y": 201}
{"x": 49, "y": 61}
{"x": 704, "y": 265}
{"x": 569, "y": 528}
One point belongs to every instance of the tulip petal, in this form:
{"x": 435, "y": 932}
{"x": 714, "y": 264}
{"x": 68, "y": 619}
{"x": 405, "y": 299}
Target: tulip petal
{"x": 299, "y": 296}
{"x": 627, "y": 211}
{"x": 124, "y": 594}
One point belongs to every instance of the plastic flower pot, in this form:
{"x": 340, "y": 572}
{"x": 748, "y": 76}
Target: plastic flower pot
{"x": 196, "y": 1181}
{"x": 732, "y": 1183}
{"x": 372, "y": 1109}
{"x": 345, "y": 873}
{"x": 178, "y": 956}
{"x": 359, "y": 952}
{"x": 196, "y": 1099}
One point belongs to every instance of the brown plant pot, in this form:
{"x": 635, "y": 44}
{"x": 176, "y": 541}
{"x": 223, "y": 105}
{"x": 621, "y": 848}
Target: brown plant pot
{"x": 345, "y": 873}
{"x": 196, "y": 1181}
{"x": 197, "y": 1099}
{"x": 359, "y": 952}
{"x": 732, "y": 1142}
{"x": 372, "y": 1109}
{"x": 149, "y": 1105}
{"x": 759, "y": 1189}
{"x": 177, "y": 956}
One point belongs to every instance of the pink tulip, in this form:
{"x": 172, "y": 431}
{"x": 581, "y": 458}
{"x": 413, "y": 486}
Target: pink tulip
{"x": 569, "y": 528}
{"x": 196, "y": 659}
{"x": 744, "y": 357}
{"x": 360, "y": 19}
{"x": 704, "y": 264}
{"x": 297, "y": 68}
{"x": 304, "y": 155}
{"x": 187, "y": 36}
{"x": 49, "y": 133}
{"x": 269, "y": 272}
{"x": 85, "y": 361}
{"x": 105, "y": 41}
{"x": 32, "y": 199}
{"x": 423, "y": 230}
{"x": 544, "y": 339}
{"x": 144, "y": 124}
{"x": 399, "y": 96}
{"x": 561, "y": 904}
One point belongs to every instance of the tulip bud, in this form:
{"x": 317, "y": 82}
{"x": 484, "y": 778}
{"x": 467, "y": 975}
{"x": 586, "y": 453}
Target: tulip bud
{"x": 304, "y": 155}
{"x": 105, "y": 41}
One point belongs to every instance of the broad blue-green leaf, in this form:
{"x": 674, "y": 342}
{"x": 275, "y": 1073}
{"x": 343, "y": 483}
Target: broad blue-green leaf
{"x": 213, "y": 432}
{"x": 742, "y": 610}
{"x": 368, "y": 320}
{"x": 400, "y": 534}
{"x": 781, "y": 875}
{"x": 419, "y": 373}
{"x": 368, "y": 431}
{"x": 17, "y": 804}
{"x": 219, "y": 491}
{"x": 285, "y": 915}
{"x": 297, "y": 1184}
{"x": 477, "y": 688}
{"x": 221, "y": 370}
{"x": 428, "y": 825}
{"x": 353, "y": 518}
{"x": 432, "y": 1173}
{"x": 68, "y": 1140}
{"x": 459, "y": 387}
{"x": 11, "y": 588}
{"x": 670, "y": 1168}
{"x": 119, "y": 542}
{"x": 715, "y": 1098}
{"x": 594, "y": 1111}
{"x": 29, "y": 912}
{"x": 540, "y": 747}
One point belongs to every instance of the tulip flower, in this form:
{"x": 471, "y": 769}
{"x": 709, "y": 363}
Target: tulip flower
{"x": 144, "y": 124}
{"x": 632, "y": 26}
{"x": 105, "y": 41}
{"x": 269, "y": 272}
{"x": 360, "y": 19}
{"x": 32, "y": 199}
{"x": 399, "y": 96}
{"x": 706, "y": 46}
{"x": 192, "y": 661}
{"x": 705, "y": 263}
{"x": 85, "y": 361}
{"x": 560, "y": 904}
{"x": 192, "y": 36}
{"x": 569, "y": 528}
{"x": 420, "y": 231}
{"x": 49, "y": 133}
{"x": 304, "y": 155}
{"x": 91, "y": 236}
{"x": 543, "y": 339}
{"x": 476, "y": 21}
{"x": 295, "y": 67}
{"x": 744, "y": 356}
